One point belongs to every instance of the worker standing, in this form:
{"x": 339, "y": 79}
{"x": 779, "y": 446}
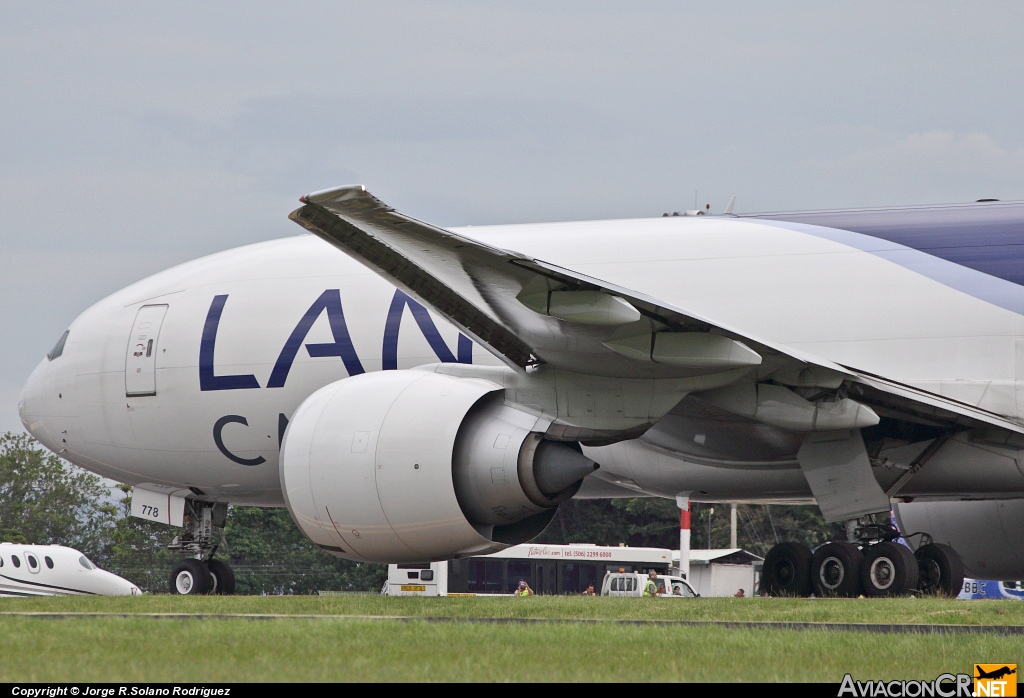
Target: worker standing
{"x": 651, "y": 586}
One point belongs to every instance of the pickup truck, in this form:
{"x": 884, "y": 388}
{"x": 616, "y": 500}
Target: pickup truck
{"x": 632, "y": 584}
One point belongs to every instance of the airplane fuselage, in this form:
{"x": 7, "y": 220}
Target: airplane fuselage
{"x": 188, "y": 378}
{"x": 889, "y": 361}
{"x": 55, "y": 570}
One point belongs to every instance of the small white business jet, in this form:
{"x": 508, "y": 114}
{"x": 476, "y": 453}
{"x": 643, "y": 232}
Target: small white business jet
{"x": 412, "y": 393}
{"x": 56, "y": 570}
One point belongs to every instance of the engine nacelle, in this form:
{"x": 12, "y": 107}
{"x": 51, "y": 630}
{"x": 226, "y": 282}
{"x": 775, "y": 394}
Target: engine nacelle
{"x": 986, "y": 534}
{"x": 415, "y": 466}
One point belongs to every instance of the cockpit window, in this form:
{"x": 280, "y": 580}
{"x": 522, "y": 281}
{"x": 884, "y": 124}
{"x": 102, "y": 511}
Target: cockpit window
{"x": 58, "y": 348}
{"x": 85, "y": 563}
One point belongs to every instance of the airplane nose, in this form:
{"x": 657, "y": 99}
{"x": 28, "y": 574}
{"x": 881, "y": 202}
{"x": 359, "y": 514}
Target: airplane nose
{"x": 118, "y": 586}
{"x": 46, "y": 404}
{"x": 22, "y": 414}
{"x": 122, "y": 587}
{"x": 28, "y": 401}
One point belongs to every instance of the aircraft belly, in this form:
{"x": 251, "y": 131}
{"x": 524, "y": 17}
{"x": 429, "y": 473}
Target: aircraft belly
{"x": 986, "y": 534}
{"x": 965, "y": 470}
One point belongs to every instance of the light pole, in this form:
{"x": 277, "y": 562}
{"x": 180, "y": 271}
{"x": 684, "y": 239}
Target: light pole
{"x": 710, "y": 512}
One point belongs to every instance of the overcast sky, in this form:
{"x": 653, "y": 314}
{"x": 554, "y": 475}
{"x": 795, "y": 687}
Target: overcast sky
{"x": 134, "y": 136}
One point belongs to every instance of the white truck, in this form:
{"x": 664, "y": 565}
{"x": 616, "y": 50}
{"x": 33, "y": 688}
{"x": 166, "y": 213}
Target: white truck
{"x": 632, "y": 584}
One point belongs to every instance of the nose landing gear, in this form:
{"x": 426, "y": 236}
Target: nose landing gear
{"x": 192, "y": 576}
{"x": 203, "y": 536}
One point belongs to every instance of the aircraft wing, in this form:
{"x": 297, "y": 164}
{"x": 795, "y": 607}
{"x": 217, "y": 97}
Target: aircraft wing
{"x": 529, "y": 312}
{"x": 525, "y": 310}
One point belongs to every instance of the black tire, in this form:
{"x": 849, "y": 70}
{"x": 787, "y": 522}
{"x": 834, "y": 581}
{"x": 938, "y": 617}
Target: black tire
{"x": 835, "y": 570}
{"x": 223, "y": 577}
{"x": 189, "y": 578}
{"x": 940, "y": 570}
{"x": 787, "y": 570}
{"x": 889, "y": 570}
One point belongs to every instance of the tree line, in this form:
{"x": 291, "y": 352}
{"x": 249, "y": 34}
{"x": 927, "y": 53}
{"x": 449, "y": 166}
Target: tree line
{"x": 46, "y": 500}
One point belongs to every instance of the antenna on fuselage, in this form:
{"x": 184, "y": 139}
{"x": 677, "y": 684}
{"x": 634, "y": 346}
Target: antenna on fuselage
{"x": 702, "y": 211}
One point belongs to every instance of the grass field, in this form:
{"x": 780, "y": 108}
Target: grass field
{"x": 366, "y": 638}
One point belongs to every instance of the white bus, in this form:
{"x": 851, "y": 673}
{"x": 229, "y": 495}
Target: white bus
{"x": 549, "y": 569}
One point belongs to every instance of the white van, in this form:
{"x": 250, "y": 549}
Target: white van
{"x": 632, "y": 584}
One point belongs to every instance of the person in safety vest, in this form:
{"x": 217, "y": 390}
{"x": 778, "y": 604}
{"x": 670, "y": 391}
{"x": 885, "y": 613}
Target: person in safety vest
{"x": 651, "y": 586}
{"x": 523, "y": 589}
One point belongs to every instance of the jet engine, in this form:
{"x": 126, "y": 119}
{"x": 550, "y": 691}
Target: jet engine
{"x": 415, "y": 466}
{"x": 986, "y": 534}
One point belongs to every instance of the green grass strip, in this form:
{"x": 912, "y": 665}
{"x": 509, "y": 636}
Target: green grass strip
{"x": 373, "y": 639}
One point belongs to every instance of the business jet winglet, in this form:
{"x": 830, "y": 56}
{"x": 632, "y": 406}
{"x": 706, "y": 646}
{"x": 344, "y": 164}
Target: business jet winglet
{"x": 435, "y": 393}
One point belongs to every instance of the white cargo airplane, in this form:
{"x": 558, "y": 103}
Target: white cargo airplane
{"x": 55, "y": 570}
{"x": 412, "y": 393}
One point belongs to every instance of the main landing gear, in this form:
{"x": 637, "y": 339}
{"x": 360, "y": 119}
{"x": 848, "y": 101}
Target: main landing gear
{"x": 203, "y": 536}
{"x": 876, "y": 566}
